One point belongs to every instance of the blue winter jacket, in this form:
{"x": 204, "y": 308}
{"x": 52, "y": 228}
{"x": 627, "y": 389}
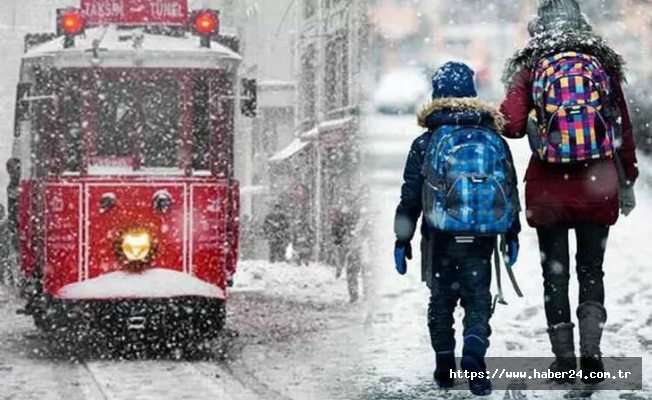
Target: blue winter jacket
{"x": 438, "y": 113}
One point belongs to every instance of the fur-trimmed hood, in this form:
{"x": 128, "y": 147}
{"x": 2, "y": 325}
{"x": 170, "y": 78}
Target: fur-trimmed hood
{"x": 565, "y": 38}
{"x": 460, "y": 111}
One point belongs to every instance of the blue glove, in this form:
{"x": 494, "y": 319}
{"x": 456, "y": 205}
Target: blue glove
{"x": 402, "y": 253}
{"x": 510, "y": 250}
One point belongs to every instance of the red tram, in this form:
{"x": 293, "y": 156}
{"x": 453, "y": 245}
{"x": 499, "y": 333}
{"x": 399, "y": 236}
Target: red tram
{"x": 126, "y": 205}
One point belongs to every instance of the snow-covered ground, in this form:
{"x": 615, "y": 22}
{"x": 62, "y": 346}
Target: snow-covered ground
{"x": 316, "y": 283}
{"x": 28, "y": 372}
{"x": 384, "y": 353}
{"x": 328, "y": 349}
{"x": 519, "y": 329}
{"x": 299, "y": 339}
{"x": 260, "y": 318}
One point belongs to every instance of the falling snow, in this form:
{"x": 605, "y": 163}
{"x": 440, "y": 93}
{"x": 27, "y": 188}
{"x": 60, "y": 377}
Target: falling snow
{"x": 319, "y": 168}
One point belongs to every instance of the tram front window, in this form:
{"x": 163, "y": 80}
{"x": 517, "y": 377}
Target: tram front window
{"x": 118, "y": 118}
{"x": 161, "y": 136}
{"x": 139, "y": 117}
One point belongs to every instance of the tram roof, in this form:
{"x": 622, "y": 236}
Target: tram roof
{"x": 128, "y": 48}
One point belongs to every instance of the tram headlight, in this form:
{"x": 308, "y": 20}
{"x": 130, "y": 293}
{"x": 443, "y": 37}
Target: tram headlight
{"x": 136, "y": 245}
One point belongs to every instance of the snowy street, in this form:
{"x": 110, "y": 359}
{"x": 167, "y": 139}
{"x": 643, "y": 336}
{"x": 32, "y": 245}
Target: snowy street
{"x": 393, "y": 358}
{"x": 398, "y": 360}
{"x": 168, "y": 163}
{"x": 314, "y": 347}
{"x": 228, "y": 369}
{"x": 297, "y": 338}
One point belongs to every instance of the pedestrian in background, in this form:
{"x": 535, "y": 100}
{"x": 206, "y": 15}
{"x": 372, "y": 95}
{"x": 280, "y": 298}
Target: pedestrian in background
{"x": 302, "y": 228}
{"x": 302, "y": 240}
{"x": 277, "y": 232}
{"x": 6, "y": 249}
{"x": 347, "y": 240}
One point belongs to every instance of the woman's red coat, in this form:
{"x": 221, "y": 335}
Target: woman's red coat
{"x": 568, "y": 194}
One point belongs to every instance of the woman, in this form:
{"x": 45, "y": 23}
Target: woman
{"x": 581, "y": 196}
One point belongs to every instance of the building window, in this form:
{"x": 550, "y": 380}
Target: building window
{"x": 478, "y": 11}
{"x": 337, "y": 72}
{"x": 332, "y": 3}
{"x": 309, "y": 8}
{"x": 308, "y": 80}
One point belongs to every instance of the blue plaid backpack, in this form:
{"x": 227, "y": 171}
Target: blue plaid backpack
{"x": 469, "y": 186}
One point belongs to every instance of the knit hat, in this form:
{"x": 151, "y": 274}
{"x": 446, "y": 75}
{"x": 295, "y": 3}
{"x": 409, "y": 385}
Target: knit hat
{"x": 558, "y": 14}
{"x": 453, "y": 79}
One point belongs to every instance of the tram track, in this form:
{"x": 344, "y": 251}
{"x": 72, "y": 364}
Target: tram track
{"x": 170, "y": 380}
{"x": 28, "y": 371}
{"x": 248, "y": 379}
{"x": 34, "y": 369}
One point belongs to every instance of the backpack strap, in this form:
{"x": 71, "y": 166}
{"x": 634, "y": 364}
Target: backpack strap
{"x": 510, "y": 273}
{"x": 622, "y": 177}
{"x": 612, "y": 111}
{"x": 499, "y": 298}
{"x": 540, "y": 68}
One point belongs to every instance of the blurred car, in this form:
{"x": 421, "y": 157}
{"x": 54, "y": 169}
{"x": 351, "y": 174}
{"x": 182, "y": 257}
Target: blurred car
{"x": 401, "y": 91}
{"x": 386, "y": 141}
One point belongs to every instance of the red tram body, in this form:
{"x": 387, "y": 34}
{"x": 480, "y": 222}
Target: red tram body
{"x": 126, "y": 204}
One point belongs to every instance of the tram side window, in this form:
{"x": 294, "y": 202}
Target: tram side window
{"x": 161, "y": 136}
{"x": 72, "y": 130}
{"x": 119, "y": 117}
{"x": 201, "y": 124}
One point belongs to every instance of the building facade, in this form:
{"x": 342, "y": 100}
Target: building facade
{"x": 266, "y": 31}
{"x": 300, "y": 150}
{"x": 330, "y": 56}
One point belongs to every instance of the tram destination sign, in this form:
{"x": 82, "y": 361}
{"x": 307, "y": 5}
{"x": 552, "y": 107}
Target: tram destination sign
{"x": 133, "y": 12}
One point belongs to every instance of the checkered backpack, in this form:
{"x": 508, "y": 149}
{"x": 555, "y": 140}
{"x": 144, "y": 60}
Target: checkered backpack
{"x": 573, "y": 119}
{"x": 469, "y": 187}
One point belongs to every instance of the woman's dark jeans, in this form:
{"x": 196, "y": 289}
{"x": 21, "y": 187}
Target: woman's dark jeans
{"x": 555, "y": 260}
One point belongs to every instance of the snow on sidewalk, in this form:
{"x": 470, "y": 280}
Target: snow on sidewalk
{"x": 313, "y": 283}
{"x": 398, "y": 357}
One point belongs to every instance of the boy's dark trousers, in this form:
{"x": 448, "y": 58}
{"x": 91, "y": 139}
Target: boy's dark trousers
{"x": 461, "y": 272}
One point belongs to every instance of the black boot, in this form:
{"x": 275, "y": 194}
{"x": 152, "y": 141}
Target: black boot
{"x": 473, "y": 355}
{"x": 591, "y": 316}
{"x": 563, "y": 347}
{"x": 445, "y": 366}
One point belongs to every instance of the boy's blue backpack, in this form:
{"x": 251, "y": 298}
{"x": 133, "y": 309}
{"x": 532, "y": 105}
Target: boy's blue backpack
{"x": 469, "y": 187}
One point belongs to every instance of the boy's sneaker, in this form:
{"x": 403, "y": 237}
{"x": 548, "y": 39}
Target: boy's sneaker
{"x": 443, "y": 371}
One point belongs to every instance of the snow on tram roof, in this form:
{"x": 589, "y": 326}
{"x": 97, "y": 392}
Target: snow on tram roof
{"x": 133, "y": 47}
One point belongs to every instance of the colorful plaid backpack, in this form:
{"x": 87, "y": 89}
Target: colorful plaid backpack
{"x": 574, "y": 118}
{"x": 469, "y": 186}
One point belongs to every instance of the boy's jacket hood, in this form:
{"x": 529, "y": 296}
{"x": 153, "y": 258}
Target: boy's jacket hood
{"x": 460, "y": 111}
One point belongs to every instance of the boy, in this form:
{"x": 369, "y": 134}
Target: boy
{"x": 460, "y": 175}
